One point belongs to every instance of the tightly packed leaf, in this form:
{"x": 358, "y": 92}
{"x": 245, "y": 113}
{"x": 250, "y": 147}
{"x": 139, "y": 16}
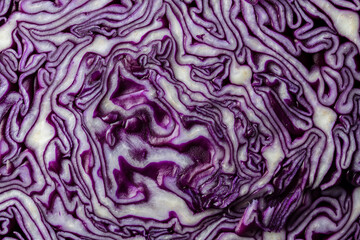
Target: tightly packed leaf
{"x": 179, "y": 119}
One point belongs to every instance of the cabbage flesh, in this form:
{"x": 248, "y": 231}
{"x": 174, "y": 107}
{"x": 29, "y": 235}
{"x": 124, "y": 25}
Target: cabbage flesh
{"x": 191, "y": 119}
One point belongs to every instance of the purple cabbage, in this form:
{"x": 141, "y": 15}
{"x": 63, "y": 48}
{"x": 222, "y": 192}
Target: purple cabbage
{"x": 193, "y": 119}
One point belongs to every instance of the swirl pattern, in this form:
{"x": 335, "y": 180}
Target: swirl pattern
{"x": 169, "y": 119}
